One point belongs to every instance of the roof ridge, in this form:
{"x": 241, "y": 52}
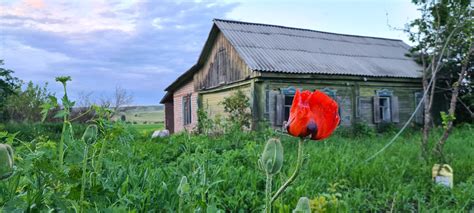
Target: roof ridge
{"x": 302, "y": 29}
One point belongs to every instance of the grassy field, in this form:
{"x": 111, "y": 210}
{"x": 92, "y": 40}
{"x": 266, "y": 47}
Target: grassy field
{"x": 136, "y": 173}
{"x": 143, "y": 114}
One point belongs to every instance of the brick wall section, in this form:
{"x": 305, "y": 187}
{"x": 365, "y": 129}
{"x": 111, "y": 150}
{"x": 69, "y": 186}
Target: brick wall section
{"x": 169, "y": 117}
{"x": 178, "y": 107}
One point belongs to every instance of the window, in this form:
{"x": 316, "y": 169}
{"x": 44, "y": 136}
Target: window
{"x": 287, "y": 106}
{"x": 187, "y": 109}
{"x": 287, "y": 99}
{"x": 221, "y": 62}
{"x": 384, "y": 112}
{"x": 330, "y": 92}
{"x": 385, "y": 107}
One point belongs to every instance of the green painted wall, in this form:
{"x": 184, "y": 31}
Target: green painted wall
{"x": 348, "y": 92}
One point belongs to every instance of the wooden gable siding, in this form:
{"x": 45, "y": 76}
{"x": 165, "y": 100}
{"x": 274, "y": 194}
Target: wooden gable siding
{"x": 187, "y": 89}
{"x": 223, "y": 66}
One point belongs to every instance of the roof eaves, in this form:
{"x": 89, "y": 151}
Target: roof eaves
{"x": 167, "y": 98}
{"x": 208, "y": 44}
{"x": 183, "y": 78}
{"x": 336, "y": 74}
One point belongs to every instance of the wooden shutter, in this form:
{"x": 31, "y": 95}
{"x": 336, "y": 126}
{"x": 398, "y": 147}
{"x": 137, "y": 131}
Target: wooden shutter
{"x": 376, "y": 109}
{"x": 272, "y": 94}
{"x": 395, "y": 109}
{"x": 279, "y": 109}
{"x": 419, "y": 113}
{"x": 358, "y": 107}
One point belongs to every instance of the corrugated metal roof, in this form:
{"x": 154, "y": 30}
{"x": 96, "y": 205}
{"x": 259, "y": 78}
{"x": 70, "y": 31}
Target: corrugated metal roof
{"x": 270, "y": 48}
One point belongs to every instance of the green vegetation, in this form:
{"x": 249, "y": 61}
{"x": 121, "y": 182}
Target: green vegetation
{"x": 148, "y": 128}
{"x": 135, "y": 172}
{"x": 114, "y": 166}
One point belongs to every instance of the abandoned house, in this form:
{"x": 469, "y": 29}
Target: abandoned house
{"x": 371, "y": 78}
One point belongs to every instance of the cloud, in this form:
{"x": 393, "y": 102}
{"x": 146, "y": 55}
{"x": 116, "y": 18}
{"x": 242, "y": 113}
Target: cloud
{"x": 141, "y": 45}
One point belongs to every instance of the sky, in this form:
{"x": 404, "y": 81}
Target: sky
{"x": 143, "y": 46}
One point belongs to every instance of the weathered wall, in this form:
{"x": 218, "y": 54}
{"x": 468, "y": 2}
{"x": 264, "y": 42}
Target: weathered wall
{"x": 350, "y": 93}
{"x": 169, "y": 117}
{"x": 404, "y": 91}
{"x": 222, "y": 67}
{"x": 343, "y": 96}
{"x": 186, "y": 89}
{"x": 211, "y": 101}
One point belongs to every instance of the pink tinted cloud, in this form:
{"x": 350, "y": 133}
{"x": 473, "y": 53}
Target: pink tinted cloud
{"x": 36, "y": 4}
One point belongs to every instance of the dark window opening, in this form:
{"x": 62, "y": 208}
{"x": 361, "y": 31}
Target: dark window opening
{"x": 187, "y": 109}
{"x": 287, "y": 105}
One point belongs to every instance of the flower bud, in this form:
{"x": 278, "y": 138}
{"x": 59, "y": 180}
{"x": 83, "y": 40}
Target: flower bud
{"x": 302, "y": 206}
{"x": 6, "y": 161}
{"x": 183, "y": 187}
{"x": 271, "y": 160}
{"x": 90, "y": 135}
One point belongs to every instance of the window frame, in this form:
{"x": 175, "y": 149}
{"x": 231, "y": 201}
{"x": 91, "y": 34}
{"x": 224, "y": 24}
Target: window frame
{"x": 388, "y": 113}
{"x": 393, "y": 114}
{"x": 187, "y": 109}
{"x": 288, "y": 92}
{"x": 286, "y": 106}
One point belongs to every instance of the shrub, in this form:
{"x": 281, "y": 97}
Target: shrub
{"x": 362, "y": 129}
{"x": 387, "y": 128}
{"x": 205, "y": 124}
{"x": 30, "y": 131}
{"x": 25, "y": 106}
{"x": 238, "y": 107}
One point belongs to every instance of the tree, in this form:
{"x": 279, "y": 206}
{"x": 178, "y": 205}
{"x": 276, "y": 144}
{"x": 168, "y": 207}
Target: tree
{"x": 120, "y": 99}
{"x": 443, "y": 46}
{"x": 84, "y": 99}
{"x": 25, "y": 106}
{"x": 8, "y": 86}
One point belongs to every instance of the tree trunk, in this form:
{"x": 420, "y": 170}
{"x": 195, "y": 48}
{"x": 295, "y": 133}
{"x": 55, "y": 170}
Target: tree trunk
{"x": 426, "y": 122}
{"x": 427, "y": 114}
{"x": 438, "y": 149}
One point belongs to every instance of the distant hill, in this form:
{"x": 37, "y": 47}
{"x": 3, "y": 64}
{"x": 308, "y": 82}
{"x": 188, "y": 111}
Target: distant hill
{"x": 152, "y": 114}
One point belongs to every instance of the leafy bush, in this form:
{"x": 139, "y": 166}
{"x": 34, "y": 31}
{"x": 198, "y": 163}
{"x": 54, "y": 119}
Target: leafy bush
{"x": 238, "y": 107}
{"x": 30, "y": 131}
{"x": 387, "y": 127}
{"x": 361, "y": 129}
{"x": 25, "y": 106}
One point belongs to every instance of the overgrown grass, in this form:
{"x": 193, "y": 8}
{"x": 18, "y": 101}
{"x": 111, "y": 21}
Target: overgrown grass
{"x": 143, "y": 174}
{"x": 148, "y": 128}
